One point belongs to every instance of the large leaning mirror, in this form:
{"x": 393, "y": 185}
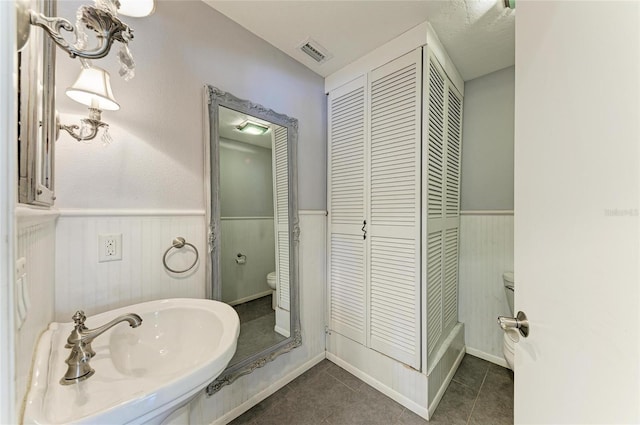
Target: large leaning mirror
{"x": 252, "y": 213}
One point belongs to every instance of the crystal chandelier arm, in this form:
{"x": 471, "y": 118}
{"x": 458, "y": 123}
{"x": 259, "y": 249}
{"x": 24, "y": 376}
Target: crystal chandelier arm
{"x": 92, "y": 125}
{"x": 106, "y": 27}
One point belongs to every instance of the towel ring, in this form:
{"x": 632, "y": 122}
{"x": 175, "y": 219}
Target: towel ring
{"x": 178, "y": 243}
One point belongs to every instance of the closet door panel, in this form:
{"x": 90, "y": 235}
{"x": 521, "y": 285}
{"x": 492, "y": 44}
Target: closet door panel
{"x": 394, "y": 203}
{"x": 434, "y": 290}
{"x": 347, "y": 290}
{"x": 347, "y": 115}
{"x": 441, "y": 180}
{"x": 281, "y": 189}
{"x": 434, "y": 186}
{"x": 452, "y": 207}
{"x": 454, "y": 142}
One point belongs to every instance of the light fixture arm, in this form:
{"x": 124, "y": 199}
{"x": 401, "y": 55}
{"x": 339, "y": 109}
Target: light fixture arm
{"x": 93, "y": 124}
{"x": 106, "y": 27}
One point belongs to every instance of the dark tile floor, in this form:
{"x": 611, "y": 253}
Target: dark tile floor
{"x": 254, "y": 309}
{"x": 480, "y": 393}
{"x": 257, "y": 320}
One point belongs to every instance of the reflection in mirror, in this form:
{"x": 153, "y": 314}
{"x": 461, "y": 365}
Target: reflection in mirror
{"x": 252, "y": 214}
{"x": 249, "y": 229}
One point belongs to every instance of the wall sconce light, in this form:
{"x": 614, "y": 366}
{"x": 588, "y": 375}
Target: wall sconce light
{"x": 101, "y": 19}
{"x": 251, "y": 127}
{"x": 92, "y": 88}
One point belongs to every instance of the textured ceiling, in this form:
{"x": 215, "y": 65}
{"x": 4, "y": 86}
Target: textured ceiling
{"x": 479, "y": 35}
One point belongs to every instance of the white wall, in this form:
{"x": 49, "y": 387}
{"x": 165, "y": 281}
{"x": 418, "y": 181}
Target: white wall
{"x": 246, "y": 180}
{"x": 487, "y": 146}
{"x": 253, "y": 237}
{"x": 155, "y": 162}
{"x": 156, "y": 158}
{"x": 247, "y": 223}
{"x": 486, "y": 224}
{"x": 486, "y": 251}
{"x": 81, "y": 282}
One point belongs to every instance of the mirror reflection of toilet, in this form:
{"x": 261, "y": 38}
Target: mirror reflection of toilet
{"x": 511, "y": 336}
{"x": 271, "y": 281}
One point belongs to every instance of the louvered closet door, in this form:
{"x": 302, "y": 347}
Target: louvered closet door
{"x": 281, "y": 186}
{"x": 346, "y": 199}
{"x": 394, "y": 228}
{"x": 441, "y": 182}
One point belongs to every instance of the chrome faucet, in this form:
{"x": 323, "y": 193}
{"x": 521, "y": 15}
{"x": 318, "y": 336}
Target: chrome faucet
{"x": 80, "y": 340}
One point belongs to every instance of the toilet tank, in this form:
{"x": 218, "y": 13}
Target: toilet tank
{"x": 509, "y": 288}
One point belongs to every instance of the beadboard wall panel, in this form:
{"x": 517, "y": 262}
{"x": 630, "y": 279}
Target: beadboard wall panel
{"x": 233, "y": 400}
{"x": 486, "y": 251}
{"x": 36, "y": 243}
{"x": 84, "y": 283}
{"x": 253, "y": 237}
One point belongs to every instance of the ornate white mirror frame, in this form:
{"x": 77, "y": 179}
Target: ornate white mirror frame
{"x": 214, "y": 99}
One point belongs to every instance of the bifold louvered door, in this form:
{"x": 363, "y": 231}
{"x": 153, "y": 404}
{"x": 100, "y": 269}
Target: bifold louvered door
{"x": 393, "y": 237}
{"x": 347, "y": 185}
{"x": 281, "y": 214}
{"x": 441, "y": 183}
{"x": 374, "y": 209}
{"x": 394, "y": 160}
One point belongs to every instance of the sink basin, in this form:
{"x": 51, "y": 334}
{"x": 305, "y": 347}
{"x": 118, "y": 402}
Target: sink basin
{"x": 142, "y": 375}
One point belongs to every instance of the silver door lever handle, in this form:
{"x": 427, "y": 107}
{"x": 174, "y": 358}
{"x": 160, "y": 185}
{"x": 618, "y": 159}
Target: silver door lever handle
{"x": 520, "y": 322}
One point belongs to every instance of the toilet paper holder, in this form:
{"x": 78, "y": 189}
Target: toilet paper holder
{"x": 241, "y": 258}
{"x": 520, "y": 322}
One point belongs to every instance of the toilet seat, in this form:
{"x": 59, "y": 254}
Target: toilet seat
{"x": 271, "y": 280}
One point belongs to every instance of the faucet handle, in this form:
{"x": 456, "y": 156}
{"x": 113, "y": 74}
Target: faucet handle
{"x": 79, "y": 318}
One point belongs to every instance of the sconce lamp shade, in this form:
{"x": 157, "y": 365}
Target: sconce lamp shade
{"x": 93, "y": 88}
{"x": 136, "y": 8}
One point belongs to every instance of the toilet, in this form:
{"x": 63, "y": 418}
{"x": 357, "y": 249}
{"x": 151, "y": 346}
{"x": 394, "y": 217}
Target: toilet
{"x": 508, "y": 344}
{"x": 271, "y": 281}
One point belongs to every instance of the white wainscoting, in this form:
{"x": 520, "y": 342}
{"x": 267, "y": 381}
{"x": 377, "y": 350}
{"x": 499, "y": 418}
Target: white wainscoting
{"x": 486, "y": 251}
{"x": 84, "y": 283}
{"x": 233, "y": 400}
{"x": 36, "y": 243}
{"x": 254, "y": 238}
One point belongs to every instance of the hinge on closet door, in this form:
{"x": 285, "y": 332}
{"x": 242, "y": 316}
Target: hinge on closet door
{"x": 364, "y": 229}
{"x": 327, "y": 330}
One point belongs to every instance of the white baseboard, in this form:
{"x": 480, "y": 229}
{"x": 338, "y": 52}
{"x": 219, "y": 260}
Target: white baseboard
{"x": 282, "y": 331}
{"x": 384, "y": 389}
{"x": 500, "y": 361}
{"x": 447, "y": 381}
{"x": 234, "y": 413}
{"x": 250, "y": 298}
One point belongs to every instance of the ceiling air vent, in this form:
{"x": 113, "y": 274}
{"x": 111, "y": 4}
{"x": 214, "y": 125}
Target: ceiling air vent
{"x": 315, "y": 51}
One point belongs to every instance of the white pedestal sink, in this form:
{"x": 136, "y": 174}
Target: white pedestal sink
{"x": 143, "y": 375}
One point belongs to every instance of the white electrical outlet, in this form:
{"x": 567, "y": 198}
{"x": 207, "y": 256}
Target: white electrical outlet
{"x": 110, "y": 247}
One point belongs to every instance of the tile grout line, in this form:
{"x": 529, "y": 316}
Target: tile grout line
{"x": 477, "y": 396}
{"x": 400, "y": 416}
{"x": 355, "y": 390}
{"x": 465, "y": 385}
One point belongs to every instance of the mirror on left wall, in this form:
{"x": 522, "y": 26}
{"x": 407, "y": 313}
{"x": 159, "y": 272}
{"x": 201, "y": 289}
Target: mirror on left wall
{"x": 37, "y": 118}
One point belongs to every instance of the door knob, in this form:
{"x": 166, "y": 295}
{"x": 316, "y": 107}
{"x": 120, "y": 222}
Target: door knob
{"x": 520, "y": 322}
